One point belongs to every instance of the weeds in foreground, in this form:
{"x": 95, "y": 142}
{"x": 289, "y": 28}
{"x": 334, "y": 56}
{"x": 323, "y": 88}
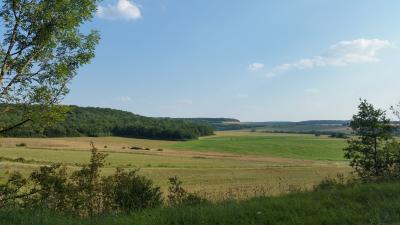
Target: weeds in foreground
{"x": 86, "y": 193}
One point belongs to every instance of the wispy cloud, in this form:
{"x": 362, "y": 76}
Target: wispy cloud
{"x": 343, "y": 53}
{"x": 123, "y": 9}
{"x": 256, "y": 66}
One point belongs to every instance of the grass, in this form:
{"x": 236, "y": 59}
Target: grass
{"x": 289, "y": 146}
{"x": 359, "y": 204}
{"x": 214, "y": 173}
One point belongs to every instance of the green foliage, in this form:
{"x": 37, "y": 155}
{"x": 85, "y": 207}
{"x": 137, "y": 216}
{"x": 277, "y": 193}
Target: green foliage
{"x": 20, "y": 145}
{"x": 333, "y": 183}
{"x": 339, "y": 135}
{"x": 130, "y": 192}
{"x": 51, "y": 189}
{"x": 12, "y": 190}
{"x": 357, "y": 204}
{"x": 107, "y": 122}
{"x": 86, "y": 186}
{"x": 84, "y": 193}
{"x": 373, "y": 153}
{"x": 40, "y": 52}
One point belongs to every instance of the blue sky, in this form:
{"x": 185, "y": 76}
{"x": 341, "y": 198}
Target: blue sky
{"x": 259, "y": 60}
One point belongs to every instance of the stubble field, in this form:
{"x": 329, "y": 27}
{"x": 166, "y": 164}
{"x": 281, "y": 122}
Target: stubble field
{"x": 227, "y": 165}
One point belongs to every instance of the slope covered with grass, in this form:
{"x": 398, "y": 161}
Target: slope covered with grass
{"x": 288, "y": 146}
{"x": 359, "y": 204}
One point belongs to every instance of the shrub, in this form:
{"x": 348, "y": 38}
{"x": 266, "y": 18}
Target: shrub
{"x": 129, "y": 192}
{"x": 20, "y": 145}
{"x": 86, "y": 186}
{"x": 338, "y": 135}
{"x": 10, "y": 192}
{"x": 51, "y": 188}
{"x": 178, "y": 196}
{"x": 332, "y": 183}
{"x": 84, "y": 192}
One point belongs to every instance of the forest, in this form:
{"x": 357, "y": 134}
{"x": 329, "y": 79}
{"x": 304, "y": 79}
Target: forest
{"x": 96, "y": 122}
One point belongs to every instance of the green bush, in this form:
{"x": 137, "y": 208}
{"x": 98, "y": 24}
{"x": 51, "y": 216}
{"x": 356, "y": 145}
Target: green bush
{"x": 20, "y": 145}
{"x": 130, "y": 192}
{"x": 178, "y": 196}
{"x": 84, "y": 193}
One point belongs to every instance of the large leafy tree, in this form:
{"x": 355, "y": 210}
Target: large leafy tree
{"x": 371, "y": 152}
{"x": 41, "y": 49}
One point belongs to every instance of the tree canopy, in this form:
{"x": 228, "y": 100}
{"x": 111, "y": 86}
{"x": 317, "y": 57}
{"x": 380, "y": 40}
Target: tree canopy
{"x": 373, "y": 153}
{"x": 40, "y": 52}
{"x": 90, "y": 121}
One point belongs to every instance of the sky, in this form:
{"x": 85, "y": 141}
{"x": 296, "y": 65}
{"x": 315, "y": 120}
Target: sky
{"x": 257, "y": 60}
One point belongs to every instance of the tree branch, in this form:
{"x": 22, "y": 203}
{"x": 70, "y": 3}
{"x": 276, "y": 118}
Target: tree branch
{"x": 4, "y": 130}
{"x": 8, "y": 54}
{"x": 19, "y": 74}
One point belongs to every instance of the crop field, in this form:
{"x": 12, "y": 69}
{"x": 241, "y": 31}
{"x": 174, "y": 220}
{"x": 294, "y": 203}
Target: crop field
{"x": 227, "y": 165}
{"x": 279, "y": 145}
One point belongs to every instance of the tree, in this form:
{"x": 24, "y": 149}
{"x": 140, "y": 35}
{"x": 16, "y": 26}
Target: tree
{"x": 41, "y": 50}
{"x": 368, "y": 152}
{"x": 396, "y": 110}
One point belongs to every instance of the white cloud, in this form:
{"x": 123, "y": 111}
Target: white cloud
{"x": 341, "y": 54}
{"x": 124, "y": 9}
{"x": 312, "y": 91}
{"x": 256, "y": 66}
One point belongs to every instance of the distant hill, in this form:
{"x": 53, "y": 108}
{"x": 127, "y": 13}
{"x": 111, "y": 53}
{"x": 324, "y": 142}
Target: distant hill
{"x": 211, "y": 120}
{"x": 92, "y": 121}
{"x": 325, "y": 122}
{"x": 219, "y": 124}
{"x": 309, "y": 126}
{"x": 318, "y": 127}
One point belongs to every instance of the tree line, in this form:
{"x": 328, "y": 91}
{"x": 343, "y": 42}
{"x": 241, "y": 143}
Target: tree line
{"x": 94, "y": 122}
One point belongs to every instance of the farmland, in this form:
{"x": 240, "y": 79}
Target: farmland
{"x": 231, "y": 164}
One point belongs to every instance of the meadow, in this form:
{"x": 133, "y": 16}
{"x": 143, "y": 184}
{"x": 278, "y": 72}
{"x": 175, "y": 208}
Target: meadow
{"x": 296, "y": 146}
{"x": 230, "y": 164}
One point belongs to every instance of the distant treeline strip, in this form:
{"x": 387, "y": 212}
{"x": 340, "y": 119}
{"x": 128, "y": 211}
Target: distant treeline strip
{"x": 332, "y": 134}
{"x": 94, "y": 122}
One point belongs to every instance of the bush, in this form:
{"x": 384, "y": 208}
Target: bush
{"x": 331, "y": 183}
{"x": 10, "y": 192}
{"x": 20, "y": 145}
{"x": 83, "y": 193}
{"x": 130, "y": 192}
{"x": 180, "y": 197}
{"x": 339, "y": 135}
{"x": 52, "y": 190}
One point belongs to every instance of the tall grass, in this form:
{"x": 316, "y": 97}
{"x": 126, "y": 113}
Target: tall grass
{"x": 357, "y": 204}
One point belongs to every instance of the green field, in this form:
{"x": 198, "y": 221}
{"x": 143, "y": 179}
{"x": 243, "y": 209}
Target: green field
{"x": 227, "y": 165}
{"x": 280, "y": 145}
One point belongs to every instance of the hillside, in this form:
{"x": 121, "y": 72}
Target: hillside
{"x": 358, "y": 204}
{"x": 94, "y": 122}
{"x": 309, "y": 126}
